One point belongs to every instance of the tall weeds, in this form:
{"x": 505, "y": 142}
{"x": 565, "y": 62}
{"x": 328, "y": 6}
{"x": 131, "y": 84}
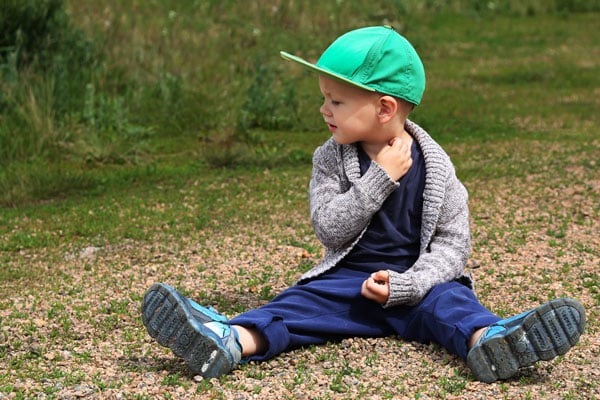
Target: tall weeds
{"x": 43, "y": 58}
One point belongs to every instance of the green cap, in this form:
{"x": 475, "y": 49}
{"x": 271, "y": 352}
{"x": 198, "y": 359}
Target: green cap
{"x": 375, "y": 58}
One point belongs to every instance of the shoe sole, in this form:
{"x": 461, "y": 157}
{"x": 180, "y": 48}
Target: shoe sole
{"x": 548, "y": 331}
{"x": 167, "y": 318}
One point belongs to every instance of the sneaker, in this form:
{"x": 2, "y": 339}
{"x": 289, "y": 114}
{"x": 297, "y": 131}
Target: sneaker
{"x": 199, "y": 335}
{"x": 539, "y": 334}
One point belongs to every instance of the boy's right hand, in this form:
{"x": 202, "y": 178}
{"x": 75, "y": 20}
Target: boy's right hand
{"x": 395, "y": 157}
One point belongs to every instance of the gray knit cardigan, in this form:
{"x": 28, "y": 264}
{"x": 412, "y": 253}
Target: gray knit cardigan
{"x": 342, "y": 203}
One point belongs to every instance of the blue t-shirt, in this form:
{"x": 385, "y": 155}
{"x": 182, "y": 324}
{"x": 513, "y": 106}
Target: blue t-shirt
{"x": 392, "y": 240}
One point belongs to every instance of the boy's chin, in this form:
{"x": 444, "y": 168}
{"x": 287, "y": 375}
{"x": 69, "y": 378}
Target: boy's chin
{"x": 340, "y": 140}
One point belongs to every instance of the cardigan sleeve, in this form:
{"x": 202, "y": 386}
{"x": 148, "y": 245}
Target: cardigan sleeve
{"x": 340, "y": 210}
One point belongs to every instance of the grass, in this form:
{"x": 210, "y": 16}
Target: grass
{"x": 510, "y": 98}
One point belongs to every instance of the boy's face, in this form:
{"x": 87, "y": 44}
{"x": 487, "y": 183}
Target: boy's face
{"x": 349, "y": 112}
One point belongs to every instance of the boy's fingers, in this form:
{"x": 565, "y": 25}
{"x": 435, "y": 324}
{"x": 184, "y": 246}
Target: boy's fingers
{"x": 370, "y": 285}
{"x": 365, "y": 289}
{"x": 375, "y": 291}
{"x": 397, "y": 143}
{"x": 376, "y": 287}
{"x": 381, "y": 276}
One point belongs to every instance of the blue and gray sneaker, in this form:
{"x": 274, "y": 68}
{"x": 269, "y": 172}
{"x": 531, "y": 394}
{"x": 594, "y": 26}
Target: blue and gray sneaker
{"x": 199, "y": 335}
{"x": 539, "y": 334}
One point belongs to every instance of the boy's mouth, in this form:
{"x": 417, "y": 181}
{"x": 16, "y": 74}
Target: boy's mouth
{"x": 331, "y": 127}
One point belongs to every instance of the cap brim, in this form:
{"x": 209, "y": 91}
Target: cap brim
{"x": 322, "y": 71}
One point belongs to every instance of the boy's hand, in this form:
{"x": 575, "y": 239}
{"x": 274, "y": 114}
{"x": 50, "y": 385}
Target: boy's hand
{"x": 377, "y": 287}
{"x": 395, "y": 157}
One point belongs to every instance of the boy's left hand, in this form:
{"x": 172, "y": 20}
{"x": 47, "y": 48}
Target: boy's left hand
{"x": 377, "y": 287}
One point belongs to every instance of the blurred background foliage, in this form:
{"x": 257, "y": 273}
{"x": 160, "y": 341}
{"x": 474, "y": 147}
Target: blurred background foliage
{"x": 89, "y": 84}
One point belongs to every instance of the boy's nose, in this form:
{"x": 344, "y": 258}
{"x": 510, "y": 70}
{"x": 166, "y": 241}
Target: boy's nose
{"x": 324, "y": 110}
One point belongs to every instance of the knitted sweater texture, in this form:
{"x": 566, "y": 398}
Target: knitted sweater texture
{"x": 342, "y": 203}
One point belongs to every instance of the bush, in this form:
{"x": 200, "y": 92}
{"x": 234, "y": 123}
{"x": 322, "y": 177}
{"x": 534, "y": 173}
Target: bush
{"x": 45, "y": 64}
{"x": 28, "y": 29}
{"x": 37, "y": 37}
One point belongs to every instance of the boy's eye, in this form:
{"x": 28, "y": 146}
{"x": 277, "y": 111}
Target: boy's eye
{"x": 330, "y": 100}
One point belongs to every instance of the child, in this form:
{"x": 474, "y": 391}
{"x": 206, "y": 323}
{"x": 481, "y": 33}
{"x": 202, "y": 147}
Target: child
{"x": 393, "y": 217}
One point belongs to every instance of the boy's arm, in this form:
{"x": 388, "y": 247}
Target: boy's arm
{"x": 447, "y": 253}
{"x": 341, "y": 210}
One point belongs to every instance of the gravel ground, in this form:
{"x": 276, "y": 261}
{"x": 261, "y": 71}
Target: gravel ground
{"x": 76, "y": 331}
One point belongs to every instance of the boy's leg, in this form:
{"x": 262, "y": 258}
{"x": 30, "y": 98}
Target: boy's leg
{"x": 200, "y": 335}
{"x": 520, "y": 341}
{"x": 328, "y": 308}
{"x": 450, "y": 314}
{"x": 251, "y": 340}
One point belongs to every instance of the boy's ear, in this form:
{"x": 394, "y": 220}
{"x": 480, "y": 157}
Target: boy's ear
{"x": 388, "y": 108}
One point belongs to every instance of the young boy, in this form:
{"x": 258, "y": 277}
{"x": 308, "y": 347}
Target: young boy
{"x": 393, "y": 217}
